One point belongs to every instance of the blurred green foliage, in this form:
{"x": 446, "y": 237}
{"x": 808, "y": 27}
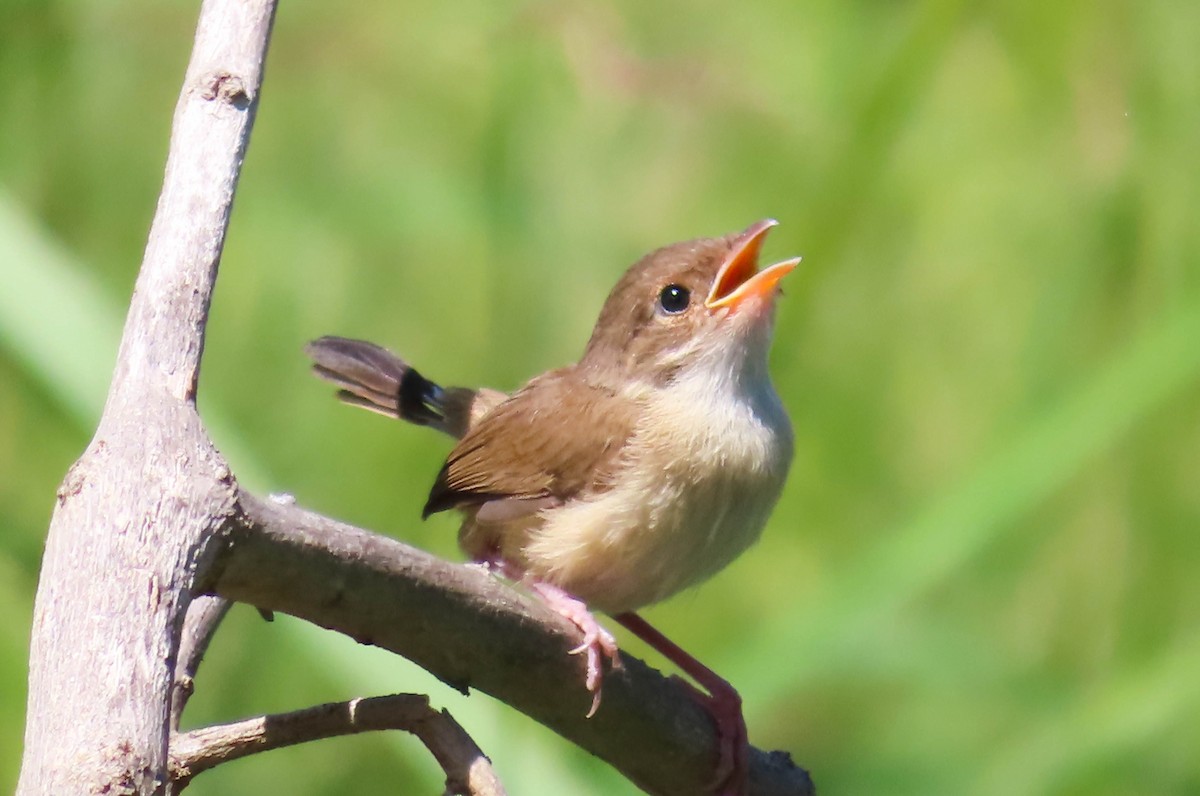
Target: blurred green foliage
{"x": 984, "y": 575}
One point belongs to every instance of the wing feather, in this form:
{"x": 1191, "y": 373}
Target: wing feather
{"x": 555, "y": 438}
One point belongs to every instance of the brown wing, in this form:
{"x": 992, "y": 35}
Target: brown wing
{"x": 554, "y": 438}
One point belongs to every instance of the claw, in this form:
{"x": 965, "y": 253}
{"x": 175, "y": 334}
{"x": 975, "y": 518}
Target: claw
{"x": 597, "y": 643}
{"x": 729, "y": 779}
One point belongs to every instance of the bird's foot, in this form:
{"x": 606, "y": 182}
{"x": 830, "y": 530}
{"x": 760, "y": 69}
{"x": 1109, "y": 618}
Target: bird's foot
{"x": 597, "y": 644}
{"x": 725, "y": 707}
{"x": 720, "y": 699}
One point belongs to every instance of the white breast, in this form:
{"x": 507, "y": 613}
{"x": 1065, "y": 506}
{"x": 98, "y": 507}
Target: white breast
{"x": 701, "y": 475}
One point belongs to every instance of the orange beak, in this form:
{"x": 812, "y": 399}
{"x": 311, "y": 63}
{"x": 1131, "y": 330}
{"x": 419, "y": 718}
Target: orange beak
{"x": 739, "y": 277}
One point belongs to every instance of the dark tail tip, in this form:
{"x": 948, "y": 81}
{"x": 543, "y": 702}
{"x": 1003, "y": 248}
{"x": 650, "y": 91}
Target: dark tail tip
{"x": 374, "y": 378}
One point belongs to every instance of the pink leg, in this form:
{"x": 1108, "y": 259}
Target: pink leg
{"x": 597, "y": 641}
{"x": 722, "y": 701}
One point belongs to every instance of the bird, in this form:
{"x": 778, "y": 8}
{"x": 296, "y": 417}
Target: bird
{"x": 639, "y": 471}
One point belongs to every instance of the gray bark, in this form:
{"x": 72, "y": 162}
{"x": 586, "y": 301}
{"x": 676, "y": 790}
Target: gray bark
{"x": 468, "y": 770}
{"x": 136, "y": 513}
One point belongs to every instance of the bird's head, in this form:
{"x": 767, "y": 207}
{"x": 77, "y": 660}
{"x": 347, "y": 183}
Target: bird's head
{"x": 700, "y": 303}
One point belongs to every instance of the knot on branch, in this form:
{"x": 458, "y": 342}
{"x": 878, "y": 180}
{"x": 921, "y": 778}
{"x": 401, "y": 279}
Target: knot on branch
{"x": 226, "y": 88}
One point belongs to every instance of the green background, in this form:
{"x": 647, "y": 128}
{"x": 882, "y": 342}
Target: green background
{"x": 984, "y": 574}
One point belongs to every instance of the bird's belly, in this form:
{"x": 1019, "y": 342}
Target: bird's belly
{"x": 695, "y": 494}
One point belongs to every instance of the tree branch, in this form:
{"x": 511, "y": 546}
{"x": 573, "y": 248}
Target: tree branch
{"x": 203, "y": 618}
{"x": 136, "y": 513}
{"x": 468, "y": 771}
{"x": 473, "y": 631}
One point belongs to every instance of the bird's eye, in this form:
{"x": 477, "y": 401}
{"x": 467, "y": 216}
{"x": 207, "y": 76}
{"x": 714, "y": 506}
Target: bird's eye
{"x": 674, "y": 299}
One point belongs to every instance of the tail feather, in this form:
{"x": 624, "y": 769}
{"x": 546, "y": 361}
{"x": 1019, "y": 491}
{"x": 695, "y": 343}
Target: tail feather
{"x": 373, "y": 378}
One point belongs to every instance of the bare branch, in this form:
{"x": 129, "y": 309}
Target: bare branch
{"x": 473, "y": 631}
{"x": 203, "y": 618}
{"x": 468, "y": 771}
{"x": 137, "y": 513}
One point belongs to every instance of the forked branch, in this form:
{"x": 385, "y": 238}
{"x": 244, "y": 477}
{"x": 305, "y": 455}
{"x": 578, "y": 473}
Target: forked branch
{"x": 468, "y": 771}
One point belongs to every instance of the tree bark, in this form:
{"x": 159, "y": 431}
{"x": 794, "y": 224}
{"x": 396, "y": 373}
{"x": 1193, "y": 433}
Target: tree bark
{"x": 468, "y": 771}
{"x": 136, "y": 513}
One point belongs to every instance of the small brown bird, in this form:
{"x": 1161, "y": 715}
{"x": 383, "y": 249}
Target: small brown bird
{"x": 639, "y": 471}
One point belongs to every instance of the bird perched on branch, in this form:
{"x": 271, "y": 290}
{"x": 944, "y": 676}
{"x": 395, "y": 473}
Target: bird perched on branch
{"x": 643, "y": 469}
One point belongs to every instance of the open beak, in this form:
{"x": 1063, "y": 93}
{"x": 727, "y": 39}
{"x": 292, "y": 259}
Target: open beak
{"x": 739, "y": 277}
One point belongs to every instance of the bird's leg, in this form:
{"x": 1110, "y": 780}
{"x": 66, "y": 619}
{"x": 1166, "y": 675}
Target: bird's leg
{"x": 722, "y": 701}
{"x": 597, "y": 641}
